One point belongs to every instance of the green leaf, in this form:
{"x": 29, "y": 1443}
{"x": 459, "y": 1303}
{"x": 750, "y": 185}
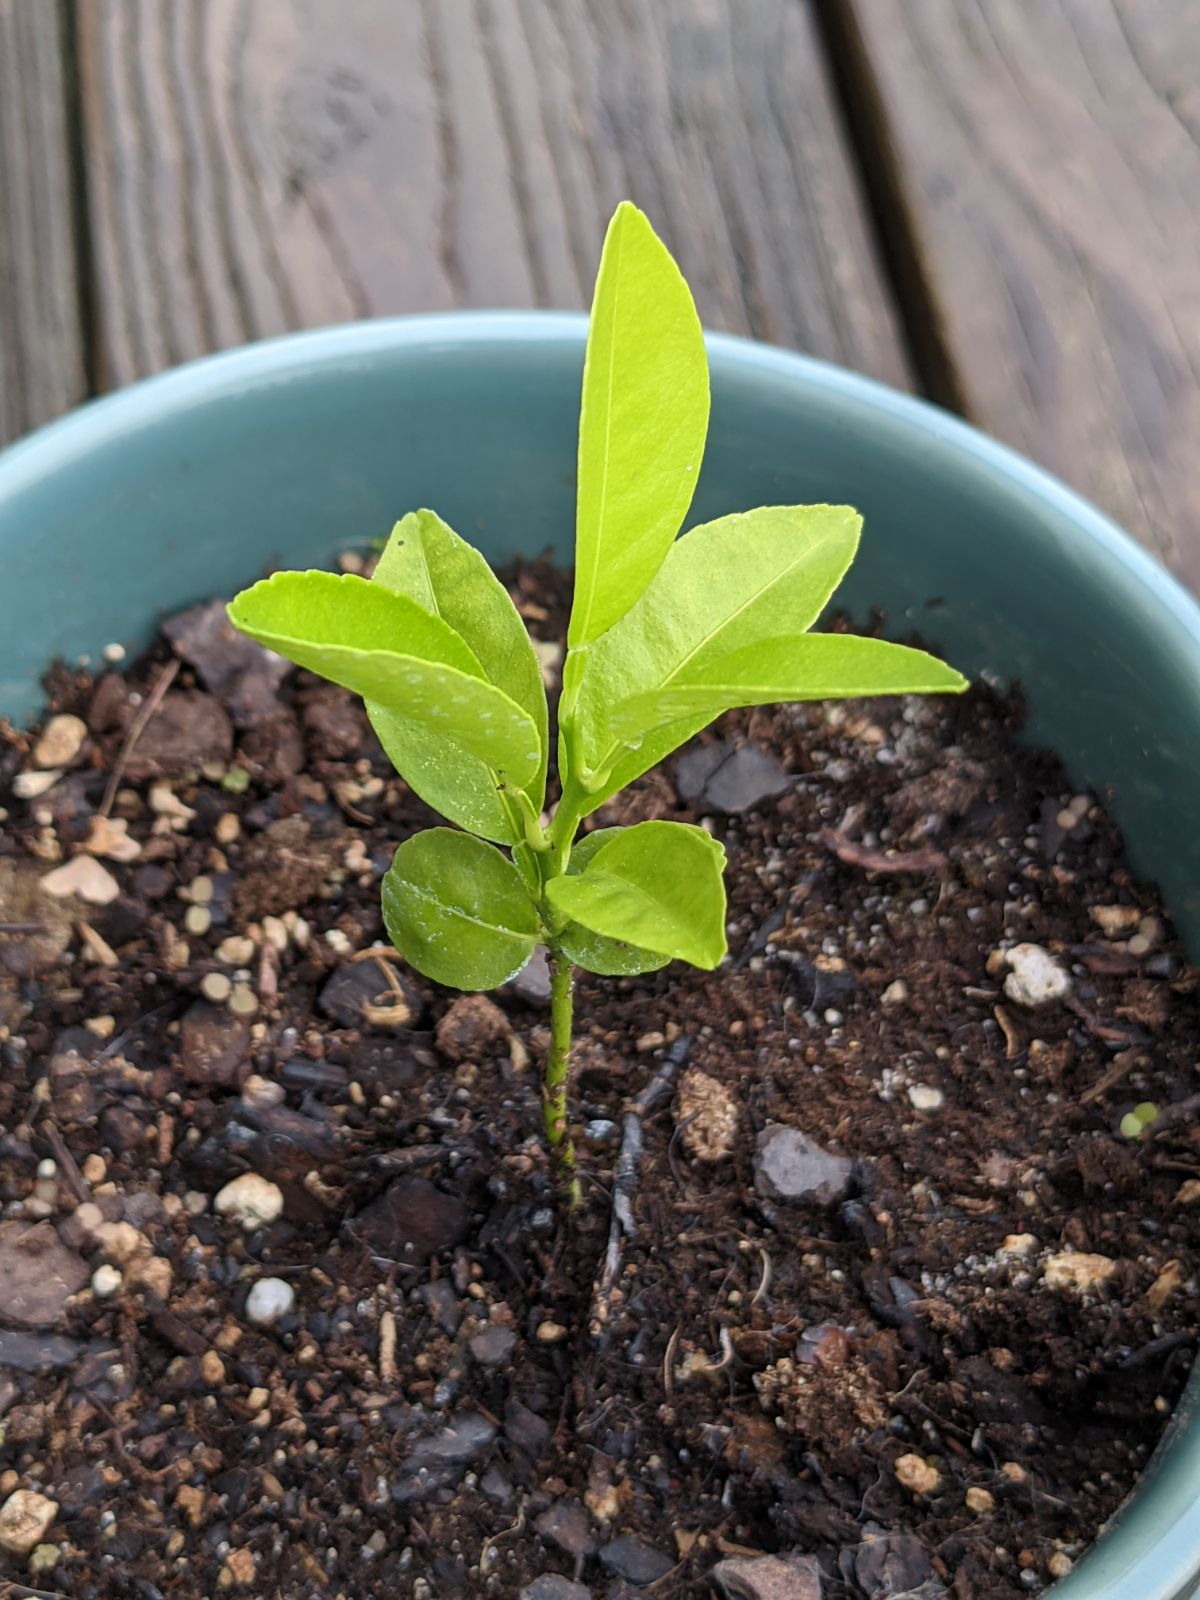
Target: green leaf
{"x": 426, "y": 561}
{"x": 744, "y": 578}
{"x": 392, "y": 652}
{"x": 656, "y": 885}
{"x": 816, "y": 666}
{"x": 643, "y": 418}
{"x": 612, "y": 958}
{"x": 457, "y": 910}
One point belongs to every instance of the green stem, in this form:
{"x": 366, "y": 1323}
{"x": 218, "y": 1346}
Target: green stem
{"x": 554, "y": 1084}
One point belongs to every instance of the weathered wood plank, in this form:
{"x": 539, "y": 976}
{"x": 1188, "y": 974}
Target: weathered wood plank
{"x": 1045, "y": 162}
{"x": 253, "y": 167}
{"x": 42, "y": 369}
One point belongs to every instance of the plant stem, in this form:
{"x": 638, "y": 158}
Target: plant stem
{"x": 554, "y": 1084}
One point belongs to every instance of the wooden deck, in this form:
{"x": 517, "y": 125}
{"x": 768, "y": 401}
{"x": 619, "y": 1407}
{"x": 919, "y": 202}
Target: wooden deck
{"x": 994, "y": 202}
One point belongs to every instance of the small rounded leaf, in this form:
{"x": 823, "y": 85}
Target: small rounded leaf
{"x": 457, "y": 910}
{"x": 611, "y": 958}
{"x": 656, "y": 885}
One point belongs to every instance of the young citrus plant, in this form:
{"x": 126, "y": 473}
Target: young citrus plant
{"x": 666, "y": 633}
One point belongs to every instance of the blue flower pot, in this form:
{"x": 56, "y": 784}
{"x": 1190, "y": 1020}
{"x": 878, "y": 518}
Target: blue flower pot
{"x": 187, "y": 485}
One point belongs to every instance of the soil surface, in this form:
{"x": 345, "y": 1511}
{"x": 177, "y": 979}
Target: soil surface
{"x": 286, "y": 1306}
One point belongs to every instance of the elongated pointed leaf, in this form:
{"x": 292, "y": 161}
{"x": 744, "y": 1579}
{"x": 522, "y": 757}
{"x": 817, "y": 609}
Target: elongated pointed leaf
{"x": 814, "y": 666}
{"x": 748, "y": 577}
{"x": 656, "y": 885}
{"x": 389, "y": 650}
{"x": 456, "y": 909}
{"x": 426, "y": 561}
{"x": 612, "y": 958}
{"x": 643, "y": 419}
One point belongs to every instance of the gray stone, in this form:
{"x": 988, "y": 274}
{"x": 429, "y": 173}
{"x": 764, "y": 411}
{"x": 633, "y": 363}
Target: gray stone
{"x": 789, "y": 1166}
{"x": 412, "y": 1220}
{"x": 768, "y": 1578}
{"x": 38, "y": 1274}
{"x": 493, "y": 1346}
{"x": 33, "y": 1352}
{"x": 356, "y": 984}
{"x": 525, "y": 1428}
{"x": 886, "y": 1566}
{"x": 532, "y": 983}
{"x": 565, "y": 1525}
{"x": 440, "y": 1460}
{"x": 445, "y": 1308}
{"x": 552, "y": 1587}
{"x": 728, "y": 777}
{"x": 229, "y": 663}
{"x": 635, "y": 1560}
{"x": 497, "y": 1485}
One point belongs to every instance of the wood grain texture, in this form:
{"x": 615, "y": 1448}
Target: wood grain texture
{"x": 42, "y": 370}
{"x": 1045, "y": 162}
{"x": 260, "y": 165}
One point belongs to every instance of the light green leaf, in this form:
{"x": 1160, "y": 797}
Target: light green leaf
{"x": 426, "y": 561}
{"x": 612, "y": 958}
{"x": 815, "y": 666}
{"x": 643, "y": 418}
{"x": 656, "y": 885}
{"x": 750, "y": 576}
{"x": 389, "y": 650}
{"x": 457, "y": 910}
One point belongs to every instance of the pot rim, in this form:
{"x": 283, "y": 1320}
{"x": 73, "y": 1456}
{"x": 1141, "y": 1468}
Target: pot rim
{"x": 1151, "y": 1550}
{"x": 265, "y": 362}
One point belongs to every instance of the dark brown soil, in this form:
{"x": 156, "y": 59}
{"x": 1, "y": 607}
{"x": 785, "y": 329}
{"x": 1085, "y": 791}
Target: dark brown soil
{"x": 897, "y": 1373}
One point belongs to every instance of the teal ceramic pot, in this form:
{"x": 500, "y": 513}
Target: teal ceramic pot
{"x": 187, "y": 485}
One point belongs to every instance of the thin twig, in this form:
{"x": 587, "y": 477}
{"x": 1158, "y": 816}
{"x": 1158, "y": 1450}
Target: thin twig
{"x": 22, "y": 927}
{"x": 629, "y": 1161}
{"x": 149, "y": 706}
{"x": 67, "y": 1163}
{"x": 852, "y": 854}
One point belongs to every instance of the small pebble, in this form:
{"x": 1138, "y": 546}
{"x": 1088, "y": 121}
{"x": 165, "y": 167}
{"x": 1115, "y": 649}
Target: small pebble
{"x": 1035, "y": 977}
{"x": 551, "y": 1333}
{"x": 25, "y": 1518}
{"x": 215, "y": 986}
{"x": 32, "y": 785}
{"x": 924, "y": 1097}
{"x": 94, "y": 1169}
{"x": 262, "y": 1093}
{"x": 212, "y": 1369}
{"x": 238, "y": 1571}
{"x": 120, "y": 1241}
{"x": 896, "y": 993}
{"x": 980, "y": 1502}
{"x": 60, "y": 741}
{"x": 275, "y": 932}
{"x": 106, "y": 1282}
{"x": 1018, "y": 1244}
{"x": 114, "y": 652}
{"x": 916, "y": 1475}
{"x": 83, "y": 876}
{"x": 200, "y": 891}
{"x": 1078, "y": 1271}
{"x": 227, "y": 829}
{"x": 236, "y": 950}
{"x": 253, "y": 1201}
{"x": 243, "y": 1002}
{"x": 1059, "y": 1564}
{"x": 268, "y": 1300}
{"x": 1115, "y": 920}
{"x": 197, "y": 920}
